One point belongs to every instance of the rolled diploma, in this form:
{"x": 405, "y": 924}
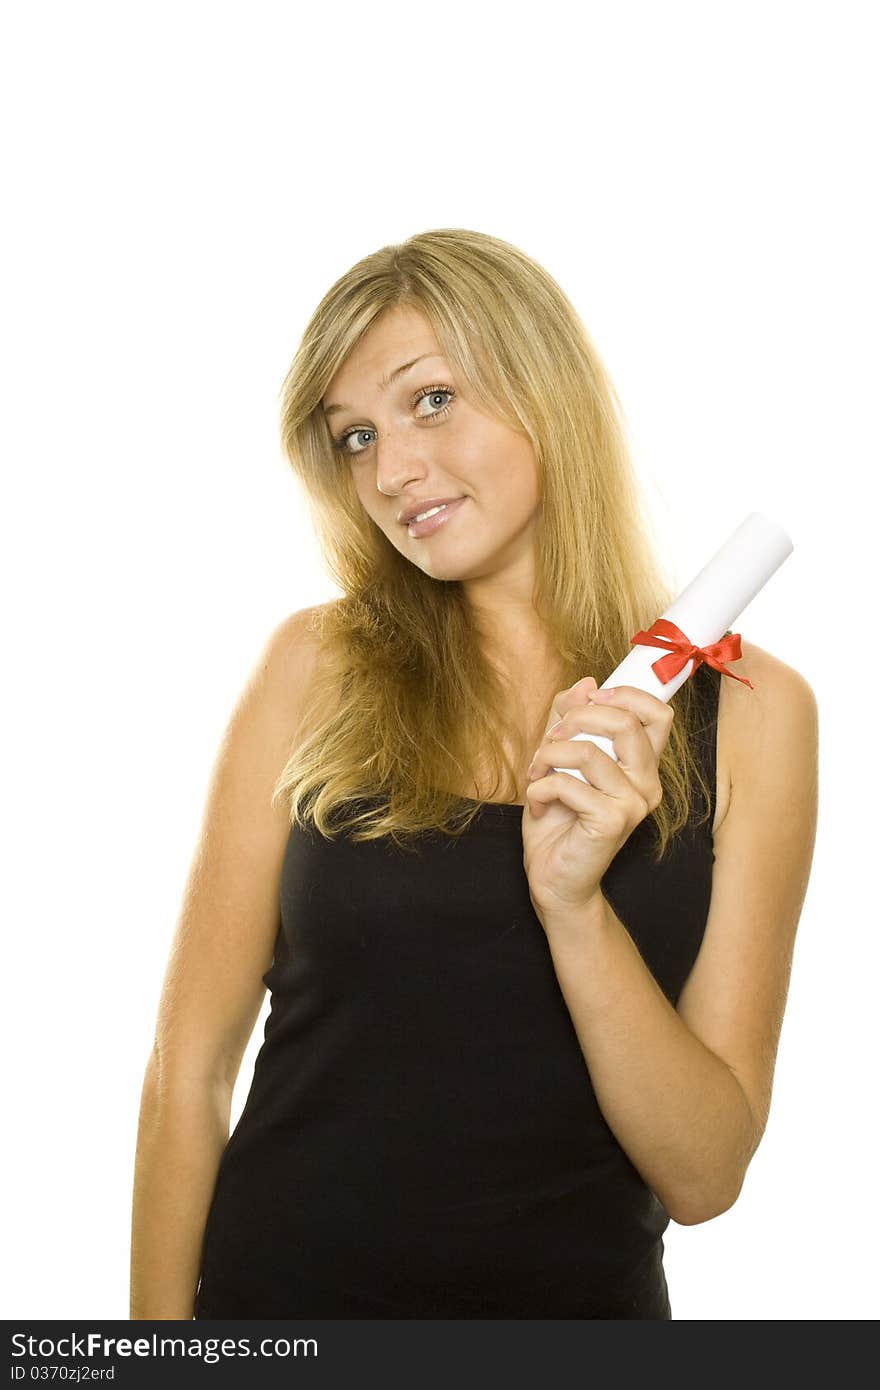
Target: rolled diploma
{"x": 704, "y": 611}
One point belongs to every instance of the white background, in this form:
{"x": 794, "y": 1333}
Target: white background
{"x": 183, "y": 183}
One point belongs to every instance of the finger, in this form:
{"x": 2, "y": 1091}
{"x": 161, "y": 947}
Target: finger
{"x": 604, "y": 814}
{"x": 600, "y": 770}
{"x": 655, "y": 717}
{"x": 648, "y": 707}
{"x": 576, "y": 694}
{"x": 571, "y": 791}
{"x": 631, "y": 740}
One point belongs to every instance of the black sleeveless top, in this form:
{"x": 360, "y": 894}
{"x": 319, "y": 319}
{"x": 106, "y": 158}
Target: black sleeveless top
{"x": 421, "y": 1138}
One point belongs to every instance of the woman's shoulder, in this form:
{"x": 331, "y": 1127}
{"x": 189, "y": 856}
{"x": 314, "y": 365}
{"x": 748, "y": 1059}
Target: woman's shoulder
{"x": 748, "y": 715}
{"x": 291, "y": 659}
{"x": 771, "y": 677}
{"x": 297, "y": 636}
{"x": 293, "y": 644}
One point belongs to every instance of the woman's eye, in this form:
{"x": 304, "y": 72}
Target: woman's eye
{"x": 428, "y": 394}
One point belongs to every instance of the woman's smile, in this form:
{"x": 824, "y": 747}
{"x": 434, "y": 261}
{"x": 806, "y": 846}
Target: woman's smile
{"x": 438, "y": 518}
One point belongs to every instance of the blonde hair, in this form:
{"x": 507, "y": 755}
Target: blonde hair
{"x": 403, "y": 690}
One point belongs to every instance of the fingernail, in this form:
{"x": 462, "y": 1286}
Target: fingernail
{"x": 551, "y": 732}
{"x": 602, "y": 694}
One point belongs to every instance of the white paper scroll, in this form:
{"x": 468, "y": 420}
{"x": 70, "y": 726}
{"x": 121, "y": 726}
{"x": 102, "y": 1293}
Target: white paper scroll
{"x": 711, "y": 603}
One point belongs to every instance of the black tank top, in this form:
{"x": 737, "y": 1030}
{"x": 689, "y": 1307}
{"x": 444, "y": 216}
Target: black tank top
{"x": 421, "y": 1137}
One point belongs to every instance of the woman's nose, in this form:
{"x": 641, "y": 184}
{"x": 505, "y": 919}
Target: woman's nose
{"x": 398, "y": 459}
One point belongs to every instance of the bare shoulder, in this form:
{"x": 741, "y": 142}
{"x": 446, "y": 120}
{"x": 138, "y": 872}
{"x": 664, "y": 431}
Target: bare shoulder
{"x": 287, "y": 666}
{"x": 735, "y": 995}
{"x": 750, "y": 719}
{"x": 293, "y": 645}
{"x": 229, "y": 917}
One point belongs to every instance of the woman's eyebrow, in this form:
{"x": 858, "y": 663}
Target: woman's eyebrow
{"x": 386, "y": 380}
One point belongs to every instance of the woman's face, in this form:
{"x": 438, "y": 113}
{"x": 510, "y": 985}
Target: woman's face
{"x": 421, "y": 438}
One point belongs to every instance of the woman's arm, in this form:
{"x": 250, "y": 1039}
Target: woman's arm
{"x": 686, "y": 1091}
{"x": 182, "y": 1131}
{"x": 213, "y": 987}
{"x": 676, "y": 1110}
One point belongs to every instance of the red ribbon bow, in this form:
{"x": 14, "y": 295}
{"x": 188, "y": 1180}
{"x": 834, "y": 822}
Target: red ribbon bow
{"x": 681, "y": 650}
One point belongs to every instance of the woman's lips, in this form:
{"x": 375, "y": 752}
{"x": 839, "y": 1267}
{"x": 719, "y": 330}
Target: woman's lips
{"x": 418, "y": 529}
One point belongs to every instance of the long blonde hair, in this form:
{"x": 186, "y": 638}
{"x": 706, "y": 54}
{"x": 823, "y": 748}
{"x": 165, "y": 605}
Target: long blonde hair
{"x": 404, "y": 691}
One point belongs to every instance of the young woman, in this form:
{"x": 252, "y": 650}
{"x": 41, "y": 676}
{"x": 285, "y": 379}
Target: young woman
{"x": 519, "y": 1021}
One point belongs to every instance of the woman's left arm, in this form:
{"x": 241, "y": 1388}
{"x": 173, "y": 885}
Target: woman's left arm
{"x": 686, "y": 1090}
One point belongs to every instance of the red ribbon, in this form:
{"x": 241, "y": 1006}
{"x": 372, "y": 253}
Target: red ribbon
{"x": 681, "y": 650}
